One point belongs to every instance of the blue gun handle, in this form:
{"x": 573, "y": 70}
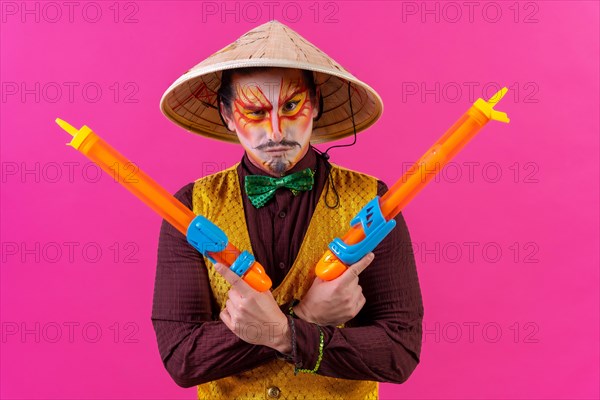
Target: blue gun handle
{"x": 375, "y": 227}
{"x": 207, "y": 237}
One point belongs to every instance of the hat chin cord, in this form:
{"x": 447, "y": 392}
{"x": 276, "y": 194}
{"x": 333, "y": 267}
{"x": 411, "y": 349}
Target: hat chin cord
{"x": 326, "y": 156}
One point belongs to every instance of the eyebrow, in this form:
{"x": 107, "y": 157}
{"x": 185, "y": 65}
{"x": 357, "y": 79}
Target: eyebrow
{"x": 294, "y": 93}
{"x": 258, "y": 107}
{"x": 254, "y": 107}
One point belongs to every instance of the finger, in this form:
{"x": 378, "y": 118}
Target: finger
{"x": 226, "y": 273}
{"x": 358, "y": 292}
{"x": 229, "y": 306}
{"x": 235, "y": 295}
{"x": 361, "y": 303}
{"x": 363, "y": 263}
{"x": 226, "y": 318}
{"x": 355, "y": 269}
{"x": 233, "y": 279}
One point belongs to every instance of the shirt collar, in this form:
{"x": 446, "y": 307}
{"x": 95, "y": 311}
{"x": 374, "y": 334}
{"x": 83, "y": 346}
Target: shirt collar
{"x": 308, "y": 161}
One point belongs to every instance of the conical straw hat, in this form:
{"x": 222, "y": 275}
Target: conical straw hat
{"x": 191, "y": 101}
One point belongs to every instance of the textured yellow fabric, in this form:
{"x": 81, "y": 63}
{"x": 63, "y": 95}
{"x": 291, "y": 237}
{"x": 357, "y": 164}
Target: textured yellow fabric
{"x": 218, "y": 197}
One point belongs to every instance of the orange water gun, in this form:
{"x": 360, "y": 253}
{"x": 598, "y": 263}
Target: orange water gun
{"x": 376, "y": 219}
{"x": 201, "y": 233}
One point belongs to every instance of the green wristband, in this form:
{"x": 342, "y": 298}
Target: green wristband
{"x": 318, "y": 364}
{"x": 291, "y": 309}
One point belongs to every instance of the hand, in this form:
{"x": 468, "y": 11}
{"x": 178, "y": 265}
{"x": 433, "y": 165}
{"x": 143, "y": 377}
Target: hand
{"x": 337, "y": 301}
{"x": 254, "y": 316}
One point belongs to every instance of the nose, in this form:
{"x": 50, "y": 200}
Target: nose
{"x": 275, "y": 134}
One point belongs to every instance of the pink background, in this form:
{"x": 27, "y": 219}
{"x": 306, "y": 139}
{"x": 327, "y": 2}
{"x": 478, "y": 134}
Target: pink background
{"x": 516, "y": 317}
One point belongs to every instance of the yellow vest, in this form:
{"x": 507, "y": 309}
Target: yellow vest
{"x": 218, "y": 197}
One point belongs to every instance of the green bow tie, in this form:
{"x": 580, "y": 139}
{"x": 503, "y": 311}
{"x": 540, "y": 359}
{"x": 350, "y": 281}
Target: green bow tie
{"x": 260, "y": 189}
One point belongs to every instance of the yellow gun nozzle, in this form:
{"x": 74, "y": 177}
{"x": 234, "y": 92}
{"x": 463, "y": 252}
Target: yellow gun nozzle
{"x": 497, "y": 96}
{"x": 79, "y": 135}
{"x": 487, "y": 107}
{"x": 66, "y": 126}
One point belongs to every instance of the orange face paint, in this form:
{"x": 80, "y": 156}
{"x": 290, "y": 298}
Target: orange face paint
{"x": 272, "y": 115}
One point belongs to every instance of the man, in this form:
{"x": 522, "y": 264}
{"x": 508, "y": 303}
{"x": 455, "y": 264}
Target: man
{"x": 307, "y": 338}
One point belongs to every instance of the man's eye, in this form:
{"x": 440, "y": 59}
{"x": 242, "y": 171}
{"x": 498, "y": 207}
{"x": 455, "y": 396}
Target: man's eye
{"x": 291, "y": 106}
{"x": 256, "y": 113}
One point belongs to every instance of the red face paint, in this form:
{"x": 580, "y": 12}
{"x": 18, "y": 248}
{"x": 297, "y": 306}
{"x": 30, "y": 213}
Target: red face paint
{"x": 272, "y": 114}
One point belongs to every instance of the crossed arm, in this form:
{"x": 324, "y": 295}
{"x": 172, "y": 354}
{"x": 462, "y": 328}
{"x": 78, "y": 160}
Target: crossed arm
{"x": 382, "y": 342}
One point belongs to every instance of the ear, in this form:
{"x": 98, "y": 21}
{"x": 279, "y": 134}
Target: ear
{"x": 228, "y": 121}
{"x": 316, "y": 105}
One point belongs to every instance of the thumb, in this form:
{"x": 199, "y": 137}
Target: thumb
{"x": 355, "y": 269}
{"x": 362, "y": 264}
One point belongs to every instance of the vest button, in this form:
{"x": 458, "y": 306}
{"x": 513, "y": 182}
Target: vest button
{"x": 273, "y": 392}
{"x": 282, "y": 214}
{"x": 282, "y": 265}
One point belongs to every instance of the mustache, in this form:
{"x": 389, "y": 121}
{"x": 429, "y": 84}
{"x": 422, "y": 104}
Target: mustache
{"x": 283, "y": 143}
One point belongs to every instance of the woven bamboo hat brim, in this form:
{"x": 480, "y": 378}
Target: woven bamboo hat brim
{"x": 191, "y": 101}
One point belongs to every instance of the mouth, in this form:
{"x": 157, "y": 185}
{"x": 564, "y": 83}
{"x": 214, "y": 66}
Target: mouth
{"x": 278, "y": 150}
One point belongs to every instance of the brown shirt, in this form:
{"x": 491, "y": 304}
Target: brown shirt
{"x": 384, "y": 340}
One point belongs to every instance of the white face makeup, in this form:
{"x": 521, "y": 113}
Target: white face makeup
{"x": 272, "y": 115}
